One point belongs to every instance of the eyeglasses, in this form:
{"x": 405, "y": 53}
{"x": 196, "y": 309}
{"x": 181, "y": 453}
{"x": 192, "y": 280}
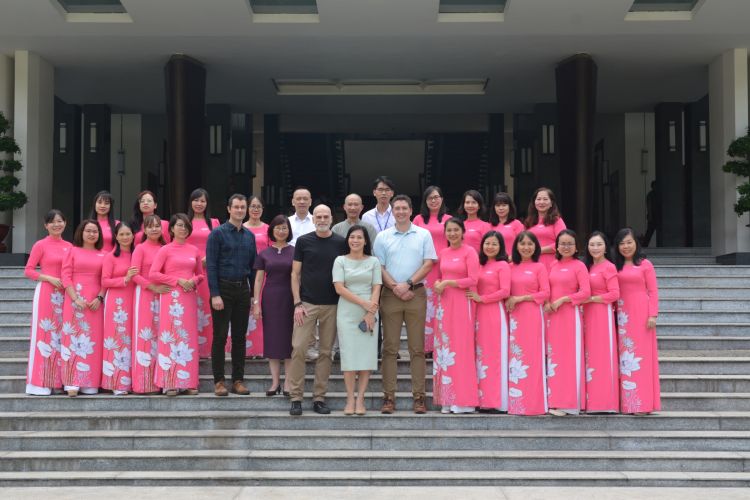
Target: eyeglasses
{"x": 256, "y": 207}
{"x": 435, "y": 197}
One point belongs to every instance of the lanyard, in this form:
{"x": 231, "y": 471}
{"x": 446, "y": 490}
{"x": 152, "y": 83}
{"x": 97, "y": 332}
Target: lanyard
{"x": 377, "y": 220}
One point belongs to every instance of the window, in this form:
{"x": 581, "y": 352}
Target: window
{"x": 284, "y": 6}
{"x": 663, "y": 5}
{"x": 92, "y": 6}
{"x": 472, "y": 6}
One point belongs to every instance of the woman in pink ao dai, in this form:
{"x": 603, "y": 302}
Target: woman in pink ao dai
{"x": 178, "y": 265}
{"x": 529, "y": 290}
{"x": 44, "y": 369}
{"x": 599, "y": 329}
{"x": 637, "y": 309}
{"x": 117, "y": 278}
{"x": 432, "y": 217}
{"x": 454, "y": 362}
{"x": 492, "y": 324}
{"x": 200, "y": 217}
{"x": 503, "y": 219}
{"x": 146, "y": 308}
{"x": 82, "y": 329}
{"x": 569, "y": 288}
{"x": 545, "y": 221}
{"x": 471, "y": 211}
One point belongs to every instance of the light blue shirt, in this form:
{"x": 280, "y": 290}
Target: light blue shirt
{"x": 403, "y": 253}
{"x": 379, "y": 222}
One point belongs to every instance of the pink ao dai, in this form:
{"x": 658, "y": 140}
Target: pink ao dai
{"x": 454, "y": 364}
{"x": 566, "y": 370}
{"x": 177, "y": 365}
{"x": 640, "y": 391}
{"x": 118, "y": 323}
{"x": 527, "y": 381}
{"x": 547, "y": 236}
{"x": 492, "y": 335}
{"x": 509, "y": 232}
{"x": 437, "y": 231}
{"x": 44, "y": 367}
{"x": 145, "y": 320}
{"x": 475, "y": 230}
{"x": 198, "y": 238}
{"x": 164, "y": 232}
{"x": 600, "y": 340}
{"x": 254, "y": 334}
{"x": 107, "y": 236}
{"x": 82, "y": 329}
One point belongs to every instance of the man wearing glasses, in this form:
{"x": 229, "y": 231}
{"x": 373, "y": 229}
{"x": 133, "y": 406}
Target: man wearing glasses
{"x": 381, "y": 217}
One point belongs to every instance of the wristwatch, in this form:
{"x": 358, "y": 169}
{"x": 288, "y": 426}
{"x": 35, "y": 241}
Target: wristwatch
{"x": 410, "y": 283}
{"x": 297, "y": 304}
{"x": 255, "y": 301}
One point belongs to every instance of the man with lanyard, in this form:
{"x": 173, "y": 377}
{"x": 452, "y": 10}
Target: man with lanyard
{"x": 301, "y": 222}
{"x": 230, "y": 255}
{"x": 406, "y": 253}
{"x": 381, "y": 217}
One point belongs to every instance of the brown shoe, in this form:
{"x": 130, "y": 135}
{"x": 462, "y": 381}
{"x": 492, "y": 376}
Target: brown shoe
{"x": 239, "y": 388}
{"x": 220, "y": 389}
{"x": 419, "y": 405}
{"x": 389, "y": 406}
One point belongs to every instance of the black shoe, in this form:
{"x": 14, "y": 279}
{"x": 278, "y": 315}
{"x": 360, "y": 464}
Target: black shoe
{"x": 490, "y": 411}
{"x": 337, "y": 356}
{"x": 428, "y": 355}
{"x": 321, "y": 408}
{"x": 296, "y": 409}
{"x": 275, "y": 391}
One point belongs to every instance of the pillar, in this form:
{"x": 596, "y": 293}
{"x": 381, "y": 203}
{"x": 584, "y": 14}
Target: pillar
{"x": 576, "y": 107}
{"x": 33, "y": 122}
{"x": 6, "y": 86}
{"x": 728, "y": 118}
{"x": 186, "y": 103}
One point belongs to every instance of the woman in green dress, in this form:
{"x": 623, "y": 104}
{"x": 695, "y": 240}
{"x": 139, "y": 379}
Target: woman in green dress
{"x": 357, "y": 279}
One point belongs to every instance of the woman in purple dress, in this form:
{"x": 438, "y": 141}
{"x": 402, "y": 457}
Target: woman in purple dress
{"x": 276, "y": 306}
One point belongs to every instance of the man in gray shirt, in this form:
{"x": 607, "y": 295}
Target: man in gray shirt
{"x": 353, "y": 207}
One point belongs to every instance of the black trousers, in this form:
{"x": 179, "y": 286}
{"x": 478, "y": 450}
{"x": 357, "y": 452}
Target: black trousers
{"x": 236, "y": 297}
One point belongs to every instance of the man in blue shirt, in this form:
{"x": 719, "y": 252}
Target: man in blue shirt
{"x": 406, "y": 253}
{"x": 230, "y": 255}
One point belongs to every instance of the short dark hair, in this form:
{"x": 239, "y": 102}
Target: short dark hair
{"x": 236, "y": 196}
{"x": 457, "y": 221}
{"x": 402, "y": 197}
{"x": 78, "y": 235}
{"x": 516, "y": 257}
{"x": 566, "y": 232}
{"x": 180, "y": 217}
{"x": 385, "y": 180}
{"x": 638, "y": 256}
{"x": 501, "y": 255}
{"x": 587, "y": 258}
{"x": 358, "y": 227}
{"x": 502, "y": 199}
{"x": 50, "y": 216}
{"x": 277, "y": 221}
{"x": 117, "y": 251}
{"x": 153, "y": 220}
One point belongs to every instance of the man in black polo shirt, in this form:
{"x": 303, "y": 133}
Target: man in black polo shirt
{"x": 315, "y": 301}
{"x": 230, "y": 255}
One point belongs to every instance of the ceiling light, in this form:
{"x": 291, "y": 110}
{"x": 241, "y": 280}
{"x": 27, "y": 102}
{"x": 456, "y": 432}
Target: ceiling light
{"x": 381, "y": 87}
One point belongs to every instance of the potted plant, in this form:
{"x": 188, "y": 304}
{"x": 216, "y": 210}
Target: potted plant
{"x": 739, "y": 165}
{"x": 10, "y": 199}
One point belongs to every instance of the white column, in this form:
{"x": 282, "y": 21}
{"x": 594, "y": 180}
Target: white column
{"x": 33, "y": 125}
{"x": 6, "y": 86}
{"x": 728, "y": 119}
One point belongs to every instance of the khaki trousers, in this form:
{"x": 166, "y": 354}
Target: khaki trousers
{"x": 302, "y": 337}
{"x": 394, "y": 312}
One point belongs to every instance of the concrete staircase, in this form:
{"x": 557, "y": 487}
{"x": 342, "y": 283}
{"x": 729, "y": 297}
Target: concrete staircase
{"x": 702, "y": 438}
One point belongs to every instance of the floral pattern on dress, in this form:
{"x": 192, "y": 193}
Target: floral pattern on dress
{"x": 117, "y": 356}
{"x": 629, "y": 363}
{"x": 176, "y": 339}
{"x": 49, "y": 346}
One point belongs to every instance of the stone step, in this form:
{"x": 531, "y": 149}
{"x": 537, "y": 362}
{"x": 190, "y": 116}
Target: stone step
{"x": 352, "y": 478}
{"x": 686, "y": 316}
{"x": 11, "y": 271}
{"x": 702, "y": 304}
{"x": 374, "y": 460}
{"x": 391, "y": 439}
{"x": 335, "y": 400}
{"x": 663, "y": 271}
{"x": 674, "y": 329}
{"x": 686, "y": 260}
{"x": 697, "y": 281}
{"x": 133, "y": 420}
{"x": 22, "y": 305}
{"x": 704, "y": 365}
{"x": 709, "y": 291}
{"x": 258, "y": 384}
{"x": 703, "y": 343}
{"x": 16, "y": 281}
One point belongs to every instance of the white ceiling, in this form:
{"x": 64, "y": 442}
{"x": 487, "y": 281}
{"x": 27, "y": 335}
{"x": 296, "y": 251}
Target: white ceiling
{"x": 640, "y": 63}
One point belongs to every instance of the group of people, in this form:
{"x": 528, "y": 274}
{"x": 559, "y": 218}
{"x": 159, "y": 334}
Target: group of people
{"x": 518, "y": 316}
